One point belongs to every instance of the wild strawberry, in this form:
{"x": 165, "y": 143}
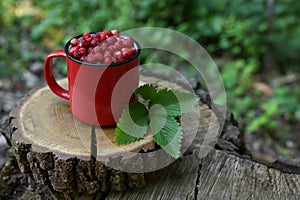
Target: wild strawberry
{"x": 82, "y": 58}
{"x": 98, "y": 57}
{"x": 102, "y": 37}
{"x": 83, "y": 43}
{"x": 127, "y": 42}
{"x": 87, "y": 39}
{"x": 125, "y": 49}
{"x": 90, "y": 58}
{"x": 82, "y": 51}
{"x": 86, "y": 34}
{"x": 73, "y": 49}
{"x": 118, "y": 45}
{"x": 111, "y": 49}
{"x": 107, "y": 60}
{"x": 115, "y": 32}
{"x": 105, "y": 47}
{"x": 74, "y": 41}
{"x": 94, "y": 42}
{"x": 133, "y": 51}
{"x": 106, "y": 54}
{"x": 76, "y": 55}
{"x": 108, "y": 33}
{"x": 90, "y": 49}
{"x": 111, "y": 40}
{"x": 117, "y": 53}
{"x": 97, "y": 49}
{"x": 95, "y": 35}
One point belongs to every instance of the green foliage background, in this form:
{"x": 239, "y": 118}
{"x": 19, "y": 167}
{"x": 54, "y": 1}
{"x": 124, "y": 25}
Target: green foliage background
{"x": 236, "y": 33}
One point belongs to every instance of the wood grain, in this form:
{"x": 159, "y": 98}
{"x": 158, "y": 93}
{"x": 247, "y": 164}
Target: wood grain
{"x": 70, "y": 172}
{"x": 46, "y": 122}
{"x": 217, "y": 176}
{"x": 55, "y": 149}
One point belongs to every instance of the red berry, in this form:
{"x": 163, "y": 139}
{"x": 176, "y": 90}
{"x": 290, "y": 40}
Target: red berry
{"x": 117, "y": 53}
{"x": 82, "y": 51}
{"x": 125, "y": 49}
{"x": 126, "y": 55}
{"x": 90, "y": 49}
{"x": 119, "y": 40}
{"x": 108, "y": 33}
{"x": 111, "y": 40}
{"x": 97, "y": 49}
{"x": 118, "y": 45}
{"x": 105, "y": 47}
{"x": 98, "y": 57}
{"x": 133, "y": 51}
{"x": 87, "y": 39}
{"x": 74, "y": 41}
{"x": 97, "y": 35}
{"x": 86, "y": 34}
{"x": 115, "y": 32}
{"x": 94, "y": 35}
{"x": 90, "y": 58}
{"x": 107, "y": 60}
{"x": 102, "y": 37}
{"x": 82, "y": 58}
{"x": 127, "y": 42}
{"x": 106, "y": 54}
{"x": 84, "y": 43}
{"x": 111, "y": 49}
{"x": 73, "y": 49}
{"x": 94, "y": 42}
{"x": 76, "y": 54}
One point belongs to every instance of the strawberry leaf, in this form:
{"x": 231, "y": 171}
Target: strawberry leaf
{"x": 123, "y": 138}
{"x": 169, "y": 137}
{"x": 133, "y": 123}
{"x": 186, "y": 100}
{"x": 146, "y": 91}
{"x": 176, "y": 103}
{"x": 158, "y": 118}
{"x": 164, "y": 106}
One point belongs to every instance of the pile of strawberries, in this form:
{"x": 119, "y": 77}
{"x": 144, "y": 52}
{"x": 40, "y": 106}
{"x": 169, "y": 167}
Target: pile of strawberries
{"x": 104, "y": 47}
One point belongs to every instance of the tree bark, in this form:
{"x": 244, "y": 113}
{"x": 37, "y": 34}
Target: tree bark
{"x": 71, "y": 159}
{"x": 70, "y": 171}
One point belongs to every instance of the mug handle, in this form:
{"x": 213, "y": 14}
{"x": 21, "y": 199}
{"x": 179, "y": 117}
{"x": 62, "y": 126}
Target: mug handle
{"x": 48, "y": 73}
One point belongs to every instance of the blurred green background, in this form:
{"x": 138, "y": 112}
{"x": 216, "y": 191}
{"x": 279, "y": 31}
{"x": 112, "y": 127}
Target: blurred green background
{"x": 255, "y": 44}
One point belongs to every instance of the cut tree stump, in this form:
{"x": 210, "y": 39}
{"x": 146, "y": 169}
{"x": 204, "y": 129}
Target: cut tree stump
{"x": 217, "y": 176}
{"x": 56, "y": 160}
{"x": 71, "y": 158}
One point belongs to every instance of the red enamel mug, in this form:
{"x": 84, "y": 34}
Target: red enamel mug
{"x": 97, "y": 92}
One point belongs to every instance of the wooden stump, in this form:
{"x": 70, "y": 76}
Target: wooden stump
{"x": 71, "y": 158}
{"x": 227, "y": 172}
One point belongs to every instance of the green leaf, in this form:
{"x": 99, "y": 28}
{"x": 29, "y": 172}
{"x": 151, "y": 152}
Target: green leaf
{"x": 176, "y": 103}
{"x": 169, "y": 138}
{"x": 164, "y": 106}
{"x": 187, "y": 100}
{"x": 123, "y": 138}
{"x": 158, "y": 118}
{"x": 133, "y": 123}
{"x": 168, "y": 100}
{"x": 139, "y": 113}
{"x": 146, "y": 91}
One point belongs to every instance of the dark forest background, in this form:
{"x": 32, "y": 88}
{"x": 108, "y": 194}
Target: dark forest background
{"x": 255, "y": 43}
